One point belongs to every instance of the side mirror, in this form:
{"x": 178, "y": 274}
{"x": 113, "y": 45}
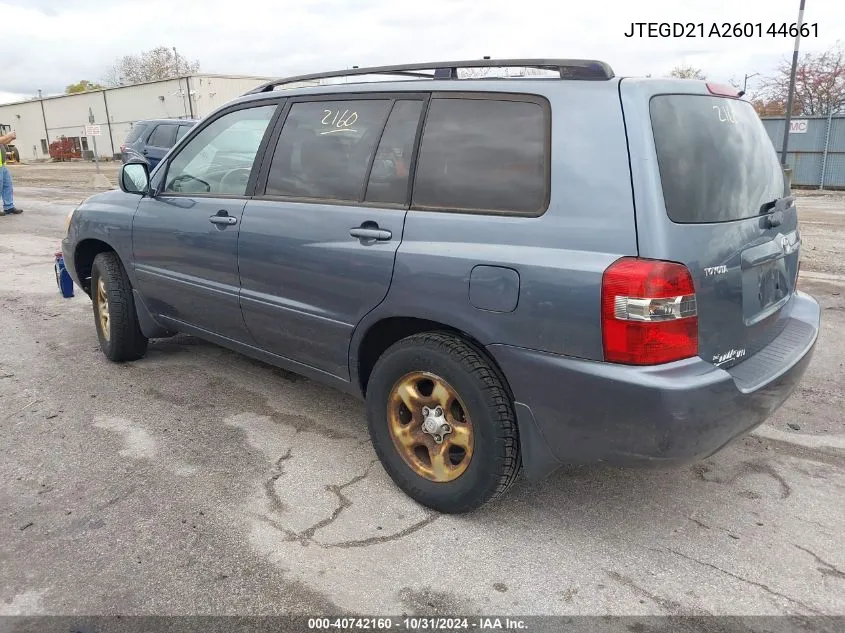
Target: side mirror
{"x": 135, "y": 178}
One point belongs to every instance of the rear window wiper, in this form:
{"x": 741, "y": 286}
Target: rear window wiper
{"x": 776, "y": 207}
{"x": 778, "y": 204}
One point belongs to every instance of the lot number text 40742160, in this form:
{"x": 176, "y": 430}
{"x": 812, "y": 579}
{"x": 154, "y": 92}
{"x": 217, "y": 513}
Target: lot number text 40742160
{"x": 721, "y": 29}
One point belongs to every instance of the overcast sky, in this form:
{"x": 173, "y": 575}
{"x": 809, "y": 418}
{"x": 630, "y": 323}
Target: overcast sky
{"x": 51, "y": 43}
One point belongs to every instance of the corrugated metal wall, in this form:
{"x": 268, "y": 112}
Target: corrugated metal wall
{"x": 806, "y": 152}
{"x": 39, "y": 122}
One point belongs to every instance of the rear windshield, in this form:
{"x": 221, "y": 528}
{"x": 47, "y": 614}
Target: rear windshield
{"x": 716, "y": 161}
{"x": 135, "y": 132}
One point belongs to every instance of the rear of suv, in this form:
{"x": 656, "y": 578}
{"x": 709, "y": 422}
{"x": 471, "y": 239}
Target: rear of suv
{"x": 150, "y": 140}
{"x": 512, "y": 273}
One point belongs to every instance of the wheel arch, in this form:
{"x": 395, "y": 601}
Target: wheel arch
{"x": 374, "y": 339}
{"x": 83, "y": 259}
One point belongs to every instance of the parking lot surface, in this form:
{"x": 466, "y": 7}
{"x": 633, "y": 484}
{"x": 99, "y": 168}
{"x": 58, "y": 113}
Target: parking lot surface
{"x": 199, "y": 481}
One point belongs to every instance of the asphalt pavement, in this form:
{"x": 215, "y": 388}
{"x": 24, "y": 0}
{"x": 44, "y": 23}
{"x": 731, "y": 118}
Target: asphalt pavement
{"x": 197, "y": 481}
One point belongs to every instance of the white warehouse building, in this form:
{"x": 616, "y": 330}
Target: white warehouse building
{"x": 41, "y": 121}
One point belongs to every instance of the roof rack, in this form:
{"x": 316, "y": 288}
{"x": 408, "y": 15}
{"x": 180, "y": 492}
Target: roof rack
{"x": 581, "y": 69}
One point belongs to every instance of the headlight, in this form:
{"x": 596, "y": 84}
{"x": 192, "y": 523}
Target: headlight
{"x": 67, "y": 221}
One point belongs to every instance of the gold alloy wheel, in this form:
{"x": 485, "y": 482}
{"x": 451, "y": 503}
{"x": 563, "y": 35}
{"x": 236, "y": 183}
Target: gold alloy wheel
{"x": 103, "y": 309}
{"x": 429, "y": 426}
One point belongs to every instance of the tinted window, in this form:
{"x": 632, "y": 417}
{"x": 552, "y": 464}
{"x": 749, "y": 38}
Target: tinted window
{"x": 325, "y": 149}
{"x": 163, "y": 136}
{"x": 716, "y": 160}
{"x": 135, "y": 133}
{"x": 391, "y": 168}
{"x": 483, "y": 154}
{"x": 219, "y": 159}
{"x": 181, "y": 131}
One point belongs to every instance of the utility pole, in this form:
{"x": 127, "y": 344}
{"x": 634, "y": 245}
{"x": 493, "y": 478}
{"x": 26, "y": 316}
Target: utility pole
{"x": 44, "y": 118}
{"x": 94, "y": 138}
{"x": 791, "y": 97}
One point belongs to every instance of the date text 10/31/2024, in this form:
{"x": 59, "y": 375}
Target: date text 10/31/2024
{"x": 421, "y": 623}
{"x": 723, "y": 29}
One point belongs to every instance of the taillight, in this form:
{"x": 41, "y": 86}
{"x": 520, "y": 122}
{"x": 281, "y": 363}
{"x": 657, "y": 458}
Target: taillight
{"x": 123, "y": 148}
{"x": 648, "y": 312}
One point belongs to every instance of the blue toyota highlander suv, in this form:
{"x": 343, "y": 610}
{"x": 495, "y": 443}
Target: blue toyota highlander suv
{"x": 150, "y": 140}
{"x": 511, "y": 272}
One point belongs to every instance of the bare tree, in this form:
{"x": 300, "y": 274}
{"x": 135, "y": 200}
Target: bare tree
{"x": 819, "y": 82}
{"x": 496, "y": 71}
{"x": 152, "y": 65}
{"x": 492, "y": 72}
{"x": 686, "y": 72}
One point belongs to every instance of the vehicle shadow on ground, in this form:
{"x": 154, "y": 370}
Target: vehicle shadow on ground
{"x": 739, "y": 480}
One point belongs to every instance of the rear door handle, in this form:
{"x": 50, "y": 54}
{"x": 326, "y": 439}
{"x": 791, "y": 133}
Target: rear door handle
{"x": 223, "y": 218}
{"x": 380, "y": 235}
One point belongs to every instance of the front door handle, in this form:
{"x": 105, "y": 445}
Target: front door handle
{"x": 223, "y": 218}
{"x": 367, "y": 233}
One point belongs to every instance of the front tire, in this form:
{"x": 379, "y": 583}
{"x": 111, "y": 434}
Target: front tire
{"x": 117, "y": 325}
{"x": 442, "y": 423}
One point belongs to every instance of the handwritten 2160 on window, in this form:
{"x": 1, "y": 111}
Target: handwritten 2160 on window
{"x": 720, "y": 29}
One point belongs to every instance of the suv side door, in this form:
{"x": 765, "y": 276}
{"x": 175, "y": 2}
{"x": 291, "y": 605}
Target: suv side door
{"x": 185, "y": 233}
{"x": 319, "y": 239}
{"x": 182, "y": 130}
{"x": 160, "y": 140}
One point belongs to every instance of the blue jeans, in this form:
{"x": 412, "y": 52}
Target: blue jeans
{"x": 6, "y": 183}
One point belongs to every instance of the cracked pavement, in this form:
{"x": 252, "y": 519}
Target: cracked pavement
{"x": 197, "y": 481}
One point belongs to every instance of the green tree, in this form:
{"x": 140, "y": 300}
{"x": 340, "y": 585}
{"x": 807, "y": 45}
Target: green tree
{"x": 82, "y": 86}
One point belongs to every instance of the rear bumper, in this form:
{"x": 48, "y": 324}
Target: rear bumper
{"x": 573, "y": 411}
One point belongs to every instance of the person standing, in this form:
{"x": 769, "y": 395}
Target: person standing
{"x": 6, "y": 177}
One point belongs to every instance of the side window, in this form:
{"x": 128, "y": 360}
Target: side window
{"x": 135, "y": 133}
{"x": 163, "y": 136}
{"x": 181, "y": 131}
{"x": 325, "y": 149}
{"x": 391, "y": 168}
{"x": 483, "y": 155}
{"x": 219, "y": 159}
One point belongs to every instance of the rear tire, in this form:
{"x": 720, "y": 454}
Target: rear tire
{"x": 431, "y": 368}
{"x": 120, "y": 335}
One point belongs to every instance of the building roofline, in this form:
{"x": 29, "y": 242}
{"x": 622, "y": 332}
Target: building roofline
{"x": 228, "y": 76}
{"x": 143, "y": 83}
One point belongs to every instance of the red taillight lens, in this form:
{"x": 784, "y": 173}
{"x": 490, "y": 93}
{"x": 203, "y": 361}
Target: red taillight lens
{"x": 649, "y": 313}
{"x": 722, "y": 90}
{"x": 122, "y": 148}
